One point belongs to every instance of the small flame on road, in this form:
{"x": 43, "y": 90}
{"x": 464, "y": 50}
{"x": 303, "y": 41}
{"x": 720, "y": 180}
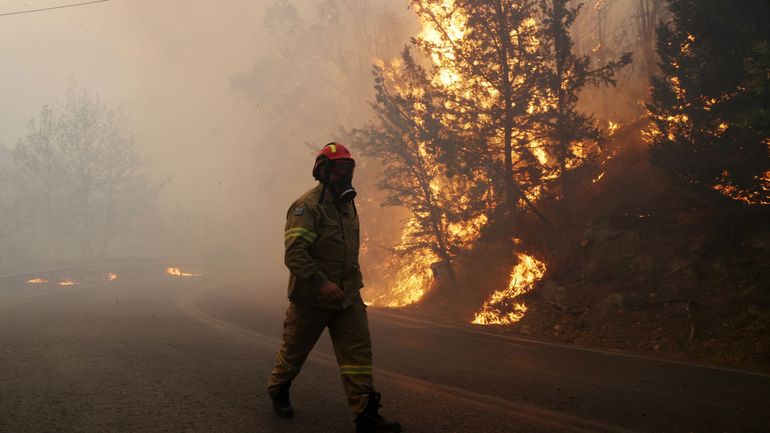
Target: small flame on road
{"x": 37, "y": 281}
{"x": 111, "y": 276}
{"x": 178, "y": 273}
{"x": 67, "y": 282}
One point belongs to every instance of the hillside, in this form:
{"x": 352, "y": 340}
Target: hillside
{"x": 639, "y": 268}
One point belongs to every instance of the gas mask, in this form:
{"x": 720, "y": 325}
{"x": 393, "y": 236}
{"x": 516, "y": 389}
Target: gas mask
{"x": 338, "y": 177}
{"x": 342, "y": 189}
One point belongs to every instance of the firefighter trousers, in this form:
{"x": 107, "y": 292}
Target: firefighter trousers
{"x": 349, "y": 330}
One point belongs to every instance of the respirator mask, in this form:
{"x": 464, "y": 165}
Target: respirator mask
{"x": 334, "y": 167}
{"x": 339, "y": 179}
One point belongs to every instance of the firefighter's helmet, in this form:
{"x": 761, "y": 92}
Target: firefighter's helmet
{"x": 331, "y": 152}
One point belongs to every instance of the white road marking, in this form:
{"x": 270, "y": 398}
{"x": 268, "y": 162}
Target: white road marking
{"x": 38, "y": 294}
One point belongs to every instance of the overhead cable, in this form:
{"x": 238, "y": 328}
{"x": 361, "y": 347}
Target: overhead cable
{"x": 29, "y": 11}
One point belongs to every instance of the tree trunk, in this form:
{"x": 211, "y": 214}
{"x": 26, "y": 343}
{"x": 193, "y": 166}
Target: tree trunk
{"x": 563, "y": 142}
{"x": 511, "y": 198}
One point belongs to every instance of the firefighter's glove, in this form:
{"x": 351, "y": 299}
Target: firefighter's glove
{"x": 332, "y": 291}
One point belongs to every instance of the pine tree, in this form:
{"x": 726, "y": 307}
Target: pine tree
{"x": 485, "y": 55}
{"x": 707, "y": 127}
{"x": 405, "y": 138}
{"x": 570, "y": 134}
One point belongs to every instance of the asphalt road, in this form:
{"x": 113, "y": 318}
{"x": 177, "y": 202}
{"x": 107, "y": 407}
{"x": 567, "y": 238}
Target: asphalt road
{"x": 154, "y": 353}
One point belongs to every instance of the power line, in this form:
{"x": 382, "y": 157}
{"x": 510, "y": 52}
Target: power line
{"x": 52, "y": 8}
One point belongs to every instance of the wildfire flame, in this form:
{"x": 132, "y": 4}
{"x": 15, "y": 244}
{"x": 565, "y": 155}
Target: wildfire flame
{"x": 413, "y": 275}
{"x": 37, "y": 281}
{"x": 680, "y": 124}
{"x": 443, "y": 28}
{"x": 178, "y": 273}
{"x": 411, "y": 283}
{"x": 67, "y": 282}
{"x": 501, "y": 308}
{"x": 725, "y": 187}
{"x": 455, "y": 29}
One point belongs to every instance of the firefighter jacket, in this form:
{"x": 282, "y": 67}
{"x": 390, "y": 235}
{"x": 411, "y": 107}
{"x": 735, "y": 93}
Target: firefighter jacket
{"x": 322, "y": 241}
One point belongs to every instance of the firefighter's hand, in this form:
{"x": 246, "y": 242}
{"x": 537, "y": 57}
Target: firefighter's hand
{"x": 332, "y": 291}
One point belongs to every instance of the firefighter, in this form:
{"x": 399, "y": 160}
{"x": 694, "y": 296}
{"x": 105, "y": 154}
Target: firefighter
{"x": 322, "y": 242}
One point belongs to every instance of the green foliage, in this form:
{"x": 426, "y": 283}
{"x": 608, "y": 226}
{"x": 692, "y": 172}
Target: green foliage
{"x": 709, "y": 105}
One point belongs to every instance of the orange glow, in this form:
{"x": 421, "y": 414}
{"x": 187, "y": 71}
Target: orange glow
{"x": 111, "y": 276}
{"x": 686, "y": 46}
{"x": 178, "y": 273}
{"x": 725, "y": 187}
{"x": 443, "y": 27}
{"x": 412, "y": 276}
{"x": 67, "y": 282}
{"x": 37, "y": 281}
{"x": 501, "y": 308}
{"x": 442, "y": 54}
{"x": 721, "y": 128}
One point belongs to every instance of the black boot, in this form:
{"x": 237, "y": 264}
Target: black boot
{"x": 370, "y": 420}
{"x": 281, "y": 403}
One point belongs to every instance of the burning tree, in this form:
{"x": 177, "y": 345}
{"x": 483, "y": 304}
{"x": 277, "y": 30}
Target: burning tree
{"x": 405, "y": 137}
{"x": 479, "y": 133}
{"x": 705, "y": 131}
{"x": 510, "y": 81}
{"x": 572, "y": 135}
{"x": 485, "y": 56}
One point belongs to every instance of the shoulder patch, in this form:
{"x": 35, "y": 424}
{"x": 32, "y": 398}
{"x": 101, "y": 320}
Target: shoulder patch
{"x": 298, "y": 211}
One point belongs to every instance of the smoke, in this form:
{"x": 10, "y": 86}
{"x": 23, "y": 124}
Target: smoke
{"x": 228, "y": 102}
{"x": 234, "y": 158}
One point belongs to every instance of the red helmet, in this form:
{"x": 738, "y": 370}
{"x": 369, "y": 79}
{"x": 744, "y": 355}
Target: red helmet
{"x": 335, "y": 152}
